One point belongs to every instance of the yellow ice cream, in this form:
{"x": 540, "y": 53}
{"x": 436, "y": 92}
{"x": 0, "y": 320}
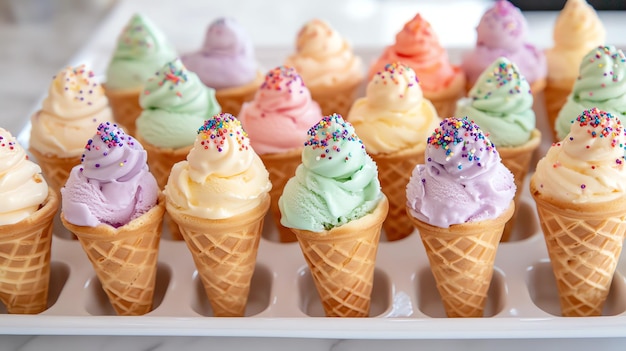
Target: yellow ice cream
{"x": 22, "y": 187}
{"x": 222, "y": 176}
{"x": 73, "y": 109}
{"x": 324, "y": 58}
{"x": 588, "y": 165}
{"x": 393, "y": 115}
{"x": 577, "y": 30}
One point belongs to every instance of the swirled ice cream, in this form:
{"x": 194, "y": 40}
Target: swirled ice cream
{"x": 74, "y": 107}
{"x": 175, "y": 103}
{"x": 226, "y": 58}
{"x": 22, "y": 187}
{"x": 324, "y": 58}
{"x": 393, "y": 115}
{"x": 112, "y": 185}
{"x": 501, "y": 104}
{"x": 588, "y": 164}
{"x": 576, "y": 31}
{"x": 601, "y": 83}
{"x": 141, "y": 50}
{"x": 463, "y": 179}
{"x": 418, "y": 46}
{"x": 503, "y": 31}
{"x": 336, "y": 183}
{"x": 281, "y": 113}
{"x": 222, "y": 176}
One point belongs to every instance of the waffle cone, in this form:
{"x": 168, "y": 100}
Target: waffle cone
{"x": 517, "y": 160}
{"x": 125, "y": 259}
{"x": 56, "y": 170}
{"x": 584, "y": 243}
{"x": 555, "y": 96}
{"x": 125, "y": 107}
{"x": 342, "y": 262}
{"x": 445, "y": 100}
{"x": 231, "y": 99}
{"x": 281, "y": 167}
{"x": 25, "y": 260}
{"x": 394, "y": 172}
{"x": 224, "y": 252}
{"x": 461, "y": 259}
{"x": 335, "y": 99}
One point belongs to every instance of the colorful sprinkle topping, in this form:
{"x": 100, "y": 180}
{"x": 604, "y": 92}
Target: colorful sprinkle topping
{"x": 283, "y": 78}
{"x": 505, "y": 73}
{"x": 80, "y": 82}
{"x": 135, "y": 34}
{"x": 453, "y": 131}
{"x": 10, "y": 144}
{"x": 112, "y": 136}
{"x": 220, "y": 127}
{"x": 616, "y": 56}
{"x": 175, "y": 73}
{"x": 328, "y": 133}
{"x": 601, "y": 124}
{"x": 392, "y": 71}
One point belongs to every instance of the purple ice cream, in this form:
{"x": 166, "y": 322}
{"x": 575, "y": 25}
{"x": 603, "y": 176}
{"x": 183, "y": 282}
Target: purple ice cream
{"x": 112, "y": 185}
{"x": 463, "y": 179}
{"x": 227, "y": 58}
{"x": 503, "y": 32}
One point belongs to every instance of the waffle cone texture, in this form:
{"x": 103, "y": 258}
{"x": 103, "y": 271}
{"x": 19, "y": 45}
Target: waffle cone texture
{"x": 231, "y": 99}
{"x": 517, "y": 160}
{"x": 394, "y": 172}
{"x": 55, "y": 169}
{"x": 584, "y": 242}
{"x": 125, "y": 107}
{"x": 281, "y": 167}
{"x": 461, "y": 259}
{"x": 555, "y": 96}
{"x": 224, "y": 252}
{"x": 445, "y": 99}
{"x": 25, "y": 259}
{"x": 125, "y": 259}
{"x": 335, "y": 99}
{"x": 342, "y": 262}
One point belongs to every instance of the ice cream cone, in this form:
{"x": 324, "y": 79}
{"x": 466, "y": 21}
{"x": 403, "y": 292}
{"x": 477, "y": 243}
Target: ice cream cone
{"x": 25, "y": 260}
{"x": 445, "y": 100}
{"x": 335, "y": 99}
{"x": 56, "y": 170}
{"x": 125, "y": 107}
{"x": 231, "y": 99}
{"x": 281, "y": 166}
{"x": 555, "y": 95}
{"x": 584, "y": 243}
{"x": 394, "y": 172}
{"x": 461, "y": 259}
{"x": 125, "y": 259}
{"x": 224, "y": 252}
{"x": 517, "y": 160}
{"x": 342, "y": 262}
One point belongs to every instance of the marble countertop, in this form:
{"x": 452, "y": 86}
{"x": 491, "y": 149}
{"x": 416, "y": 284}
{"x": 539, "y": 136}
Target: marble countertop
{"x": 36, "y": 45}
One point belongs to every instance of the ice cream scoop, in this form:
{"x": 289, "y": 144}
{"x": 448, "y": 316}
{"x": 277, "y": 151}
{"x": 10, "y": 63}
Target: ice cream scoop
{"x": 22, "y": 186}
{"x": 112, "y": 185}
{"x": 336, "y": 183}
{"x": 175, "y": 103}
{"x": 141, "y": 50}
{"x": 463, "y": 179}
{"x": 281, "y": 113}
{"x": 222, "y": 176}
{"x": 227, "y": 58}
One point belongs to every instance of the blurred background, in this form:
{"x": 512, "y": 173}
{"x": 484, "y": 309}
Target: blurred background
{"x": 39, "y": 37}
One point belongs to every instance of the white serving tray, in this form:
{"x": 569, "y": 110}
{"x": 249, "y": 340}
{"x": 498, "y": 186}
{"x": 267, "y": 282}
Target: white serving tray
{"x": 522, "y": 301}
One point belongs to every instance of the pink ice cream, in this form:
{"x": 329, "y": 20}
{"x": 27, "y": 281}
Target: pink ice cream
{"x": 112, "y": 185}
{"x": 227, "y": 57}
{"x": 503, "y": 31}
{"x": 281, "y": 113}
{"x": 463, "y": 179}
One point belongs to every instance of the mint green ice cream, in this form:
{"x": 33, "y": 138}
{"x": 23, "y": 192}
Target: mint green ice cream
{"x": 336, "y": 183}
{"x": 500, "y": 102}
{"x": 175, "y": 103}
{"x": 141, "y": 50}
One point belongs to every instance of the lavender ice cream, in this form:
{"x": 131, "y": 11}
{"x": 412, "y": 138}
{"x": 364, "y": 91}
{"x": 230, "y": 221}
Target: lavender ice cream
{"x": 112, "y": 185}
{"x": 463, "y": 179}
